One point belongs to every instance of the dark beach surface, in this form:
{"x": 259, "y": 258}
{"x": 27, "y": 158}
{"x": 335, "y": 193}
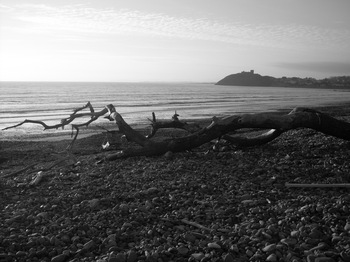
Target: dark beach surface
{"x": 192, "y": 206}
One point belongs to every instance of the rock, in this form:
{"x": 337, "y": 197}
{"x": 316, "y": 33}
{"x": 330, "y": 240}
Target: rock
{"x": 59, "y": 258}
{"x": 190, "y": 237}
{"x": 324, "y": 259}
{"x": 269, "y": 248}
{"x": 94, "y": 203}
{"x": 271, "y": 257}
{"x": 345, "y": 256}
{"x": 197, "y": 256}
{"x": 214, "y": 245}
{"x": 132, "y": 256}
{"x": 169, "y": 155}
{"x": 124, "y": 208}
{"x": 228, "y": 258}
{"x": 152, "y": 190}
{"x": 246, "y": 197}
{"x": 120, "y": 257}
{"x": 347, "y": 226}
{"x": 315, "y": 234}
{"x": 248, "y": 202}
{"x": 43, "y": 215}
{"x": 289, "y": 241}
{"x": 89, "y": 245}
{"x": 294, "y": 233}
{"x": 310, "y": 258}
{"x": 249, "y": 253}
{"x": 21, "y": 254}
{"x": 182, "y": 250}
{"x": 336, "y": 239}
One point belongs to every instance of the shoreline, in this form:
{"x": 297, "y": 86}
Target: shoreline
{"x": 62, "y": 135}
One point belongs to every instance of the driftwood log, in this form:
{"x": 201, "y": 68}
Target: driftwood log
{"x": 219, "y": 128}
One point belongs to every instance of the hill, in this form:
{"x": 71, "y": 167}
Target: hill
{"x": 247, "y": 79}
{"x": 252, "y": 79}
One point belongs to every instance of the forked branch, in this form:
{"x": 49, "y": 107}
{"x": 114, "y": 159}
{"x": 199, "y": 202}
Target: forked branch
{"x": 66, "y": 121}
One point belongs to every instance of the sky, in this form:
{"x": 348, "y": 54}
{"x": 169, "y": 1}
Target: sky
{"x": 172, "y": 40}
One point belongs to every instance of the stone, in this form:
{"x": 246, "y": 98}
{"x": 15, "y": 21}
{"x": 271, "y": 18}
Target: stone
{"x": 124, "y": 208}
{"x": 190, "y": 237}
{"x": 169, "y": 155}
{"x": 345, "y": 256}
{"x": 336, "y": 239}
{"x": 246, "y": 197}
{"x": 228, "y": 258}
{"x": 182, "y": 250}
{"x": 324, "y": 259}
{"x": 248, "y": 202}
{"x": 271, "y": 258}
{"x": 59, "y": 258}
{"x": 43, "y": 215}
{"x": 289, "y": 241}
{"x": 89, "y": 245}
{"x": 214, "y": 245}
{"x": 132, "y": 256}
{"x": 347, "y": 226}
{"x": 269, "y": 248}
{"x": 120, "y": 257}
{"x": 294, "y": 233}
{"x": 197, "y": 256}
{"x": 94, "y": 203}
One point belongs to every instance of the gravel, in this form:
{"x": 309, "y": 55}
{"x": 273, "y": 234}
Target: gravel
{"x": 192, "y": 206}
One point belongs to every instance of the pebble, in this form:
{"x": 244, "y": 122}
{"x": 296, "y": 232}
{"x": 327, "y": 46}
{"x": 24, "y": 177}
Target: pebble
{"x": 345, "y": 256}
{"x": 59, "y": 258}
{"x": 182, "y": 250}
{"x": 89, "y": 245}
{"x": 197, "y": 256}
{"x": 228, "y": 258}
{"x": 269, "y": 248}
{"x": 310, "y": 258}
{"x": 74, "y": 217}
{"x": 324, "y": 259}
{"x": 248, "y": 202}
{"x": 120, "y": 257}
{"x": 347, "y": 226}
{"x": 190, "y": 237}
{"x": 132, "y": 256}
{"x": 294, "y": 233}
{"x": 214, "y": 245}
{"x": 94, "y": 203}
{"x": 289, "y": 241}
{"x": 271, "y": 258}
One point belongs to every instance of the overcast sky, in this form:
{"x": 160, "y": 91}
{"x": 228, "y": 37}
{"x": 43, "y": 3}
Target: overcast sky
{"x": 172, "y": 40}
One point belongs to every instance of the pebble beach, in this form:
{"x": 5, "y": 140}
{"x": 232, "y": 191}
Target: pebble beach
{"x": 234, "y": 204}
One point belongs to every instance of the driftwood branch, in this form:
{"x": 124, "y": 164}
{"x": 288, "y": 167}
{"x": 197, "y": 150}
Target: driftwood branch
{"x": 174, "y": 123}
{"x": 220, "y": 127}
{"x": 66, "y": 121}
{"x": 297, "y": 118}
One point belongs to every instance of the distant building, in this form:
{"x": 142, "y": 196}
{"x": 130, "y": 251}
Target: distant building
{"x": 252, "y": 71}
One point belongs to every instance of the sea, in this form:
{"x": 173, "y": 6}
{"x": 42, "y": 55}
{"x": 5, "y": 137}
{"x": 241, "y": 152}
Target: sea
{"x": 52, "y": 101}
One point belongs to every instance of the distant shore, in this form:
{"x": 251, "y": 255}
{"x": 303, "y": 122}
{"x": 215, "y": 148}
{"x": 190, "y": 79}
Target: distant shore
{"x": 253, "y": 79}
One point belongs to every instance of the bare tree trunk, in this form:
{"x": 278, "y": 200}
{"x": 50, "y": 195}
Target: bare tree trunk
{"x": 298, "y": 118}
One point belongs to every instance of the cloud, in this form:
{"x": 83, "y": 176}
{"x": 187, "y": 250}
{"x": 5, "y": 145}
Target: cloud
{"x": 82, "y": 19}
